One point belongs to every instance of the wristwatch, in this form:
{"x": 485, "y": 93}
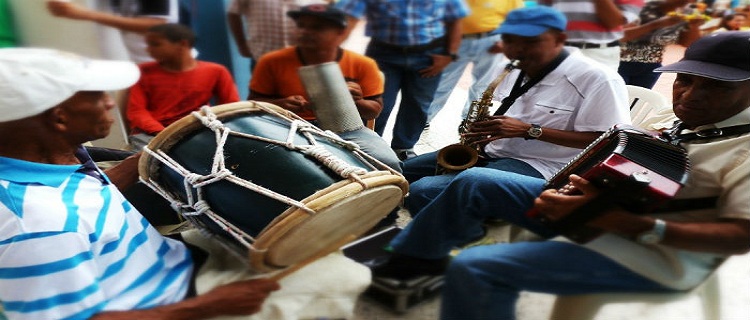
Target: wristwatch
{"x": 655, "y": 235}
{"x": 534, "y": 132}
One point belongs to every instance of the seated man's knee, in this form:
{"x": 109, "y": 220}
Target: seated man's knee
{"x": 461, "y": 266}
{"x": 424, "y": 190}
{"x": 421, "y": 166}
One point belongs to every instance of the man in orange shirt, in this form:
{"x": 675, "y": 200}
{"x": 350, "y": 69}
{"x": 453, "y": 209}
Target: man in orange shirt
{"x": 320, "y": 31}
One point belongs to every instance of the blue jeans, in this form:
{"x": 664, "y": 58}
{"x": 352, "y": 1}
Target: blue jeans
{"x": 484, "y": 282}
{"x": 639, "y": 73}
{"x": 425, "y": 185}
{"x": 402, "y": 74}
{"x": 485, "y": 66}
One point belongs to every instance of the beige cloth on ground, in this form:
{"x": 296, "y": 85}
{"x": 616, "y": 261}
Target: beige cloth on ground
{"x": 326, "y": 288}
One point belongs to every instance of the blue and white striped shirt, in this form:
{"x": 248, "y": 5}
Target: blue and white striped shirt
{"x": 405, "y": 22}
{"x": 72, "y": 246}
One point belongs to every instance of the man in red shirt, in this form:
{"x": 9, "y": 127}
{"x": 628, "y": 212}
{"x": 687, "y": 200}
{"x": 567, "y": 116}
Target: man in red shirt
{"x": 174, "y": 85}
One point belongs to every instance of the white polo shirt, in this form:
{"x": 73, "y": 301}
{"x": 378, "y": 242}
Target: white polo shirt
{"x": 579, "y": 95}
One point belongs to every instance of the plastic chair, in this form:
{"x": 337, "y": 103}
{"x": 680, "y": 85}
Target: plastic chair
{"x": 646, "y": 104}
{"x": 582, "y": 307}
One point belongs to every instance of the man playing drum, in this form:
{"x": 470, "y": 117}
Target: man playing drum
{"x": 71, "y": 246}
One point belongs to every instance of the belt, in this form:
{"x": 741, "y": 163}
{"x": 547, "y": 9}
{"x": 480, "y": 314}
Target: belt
{"x": 479, "y": 35}
{"x": 437, "y": 43}
{"x": 586, "y": 45}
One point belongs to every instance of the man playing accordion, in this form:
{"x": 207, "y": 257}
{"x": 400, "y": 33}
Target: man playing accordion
{"x": 668, "y": 251}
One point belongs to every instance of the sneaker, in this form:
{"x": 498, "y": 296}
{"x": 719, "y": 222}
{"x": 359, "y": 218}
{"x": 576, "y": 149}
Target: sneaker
{"x": 404, "y": 154}
{"x": 404, "y": 267}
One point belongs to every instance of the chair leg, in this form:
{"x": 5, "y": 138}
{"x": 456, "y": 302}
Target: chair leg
{"x": 709, "y": 295}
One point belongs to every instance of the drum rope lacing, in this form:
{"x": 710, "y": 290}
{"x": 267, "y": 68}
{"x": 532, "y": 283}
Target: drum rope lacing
{"x": 193, "y": 183}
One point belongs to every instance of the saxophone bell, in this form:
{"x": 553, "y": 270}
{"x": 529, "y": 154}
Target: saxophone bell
{"x": 456, "y": 157}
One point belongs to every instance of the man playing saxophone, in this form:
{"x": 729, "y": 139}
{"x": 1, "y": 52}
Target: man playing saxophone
{"x": 553, "y": 104}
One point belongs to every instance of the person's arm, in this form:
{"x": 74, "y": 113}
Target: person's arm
{"x": 225, "y": 90}
{"x": 237, "y": 298}
{"x": 73, "y": 11}
{"x": 296, "y": 103}
{"x": 609, "y": 14}
{"x": 138, "y": 115}
{"x": 236, "y": 26}
{"x": 124, "y": 174}
{"x": 368, "y": 107}
{"x": 691, "y": 33}
{"x": 453, "y": 42}
{"x": 499, "y": 127}
{"x": 727, "y": 236}
{"x": 637, "y": 31}
{"x": 453, "y": 35}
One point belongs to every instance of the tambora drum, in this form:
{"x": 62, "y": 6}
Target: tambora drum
{"x": 259, "y": 178}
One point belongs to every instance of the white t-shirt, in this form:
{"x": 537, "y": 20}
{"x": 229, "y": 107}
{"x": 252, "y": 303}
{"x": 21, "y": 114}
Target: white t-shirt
{"x": 579, "y": 95}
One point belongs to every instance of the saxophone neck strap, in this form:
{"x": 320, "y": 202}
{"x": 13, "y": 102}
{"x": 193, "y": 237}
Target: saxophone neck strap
{"x": 518, "y": 89}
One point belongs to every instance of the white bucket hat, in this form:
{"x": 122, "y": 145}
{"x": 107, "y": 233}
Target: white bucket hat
{"x": 33, "y": 80}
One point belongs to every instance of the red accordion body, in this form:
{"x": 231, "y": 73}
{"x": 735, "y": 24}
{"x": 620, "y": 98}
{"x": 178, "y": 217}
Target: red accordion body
{"x": 636, "y": 169}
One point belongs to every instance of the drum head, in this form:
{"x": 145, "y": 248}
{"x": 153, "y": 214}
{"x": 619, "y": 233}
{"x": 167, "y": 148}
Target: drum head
{"x": 334, "y": 209}
{"x": 342, "y": 210}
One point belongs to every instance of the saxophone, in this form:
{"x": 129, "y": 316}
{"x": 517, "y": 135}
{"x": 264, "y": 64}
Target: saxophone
{"x": 464, "y": 155}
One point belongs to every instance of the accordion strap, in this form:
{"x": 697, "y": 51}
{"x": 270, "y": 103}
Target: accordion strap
{"x": 708, "y": 134}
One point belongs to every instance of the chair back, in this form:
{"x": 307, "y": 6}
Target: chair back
{"x": 648, "y": 107}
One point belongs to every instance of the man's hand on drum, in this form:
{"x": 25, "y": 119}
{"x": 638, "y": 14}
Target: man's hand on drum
{"x": 497, "y": 127}
{"x": 125, "y": 173}
{"x": 294, "y": 103}
{"x": 233, "y": 299}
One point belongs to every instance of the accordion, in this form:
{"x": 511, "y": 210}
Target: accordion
{"x": 635, "y": 169}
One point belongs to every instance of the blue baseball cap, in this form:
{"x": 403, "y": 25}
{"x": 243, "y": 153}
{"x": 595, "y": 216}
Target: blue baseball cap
{"x": 533, "y": 21}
